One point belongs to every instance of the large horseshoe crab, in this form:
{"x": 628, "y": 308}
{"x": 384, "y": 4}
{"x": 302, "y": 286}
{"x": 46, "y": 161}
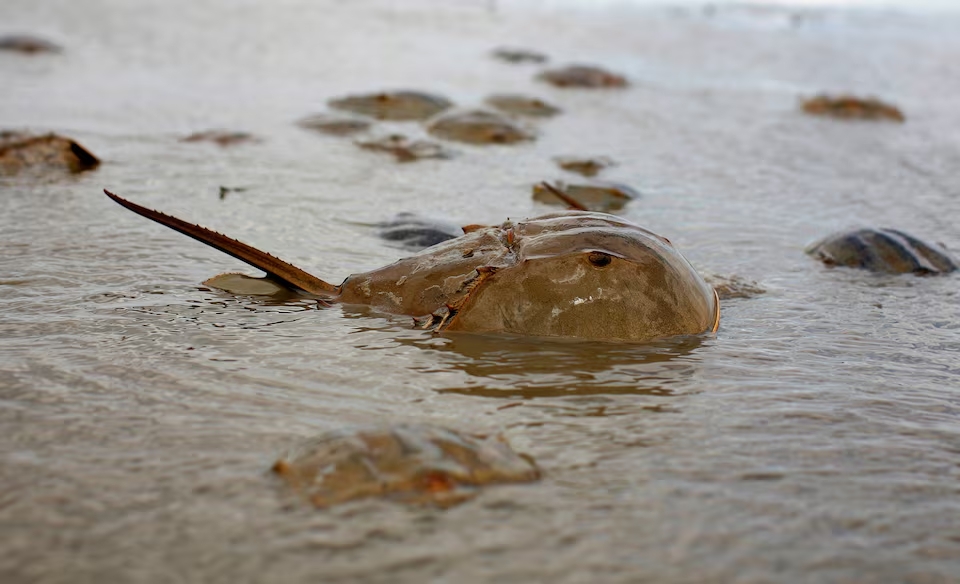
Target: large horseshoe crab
{"x": 569, "y": 274}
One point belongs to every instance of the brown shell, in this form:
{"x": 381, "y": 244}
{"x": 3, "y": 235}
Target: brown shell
{"x": 573, "y": 274}
{"x": 393, "y": 105}
{"x": 852, "y": 108}
{"x": 21, "y": 151}
{"x": 411, "y": 464}
{"x": 477, "y": 127}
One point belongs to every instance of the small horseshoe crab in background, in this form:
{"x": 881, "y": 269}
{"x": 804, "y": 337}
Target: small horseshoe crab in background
{"x": 404, "y": 149}
{"x": 221, "y": 138}
{"x": 570, "y": 274}
{"x": 21, "y": 151}
{"x": 477, "y": 127}
{"x": 521, "y": 105}
{"x": 393, "y": 105}
{"x": 852, "y": 108}
{"x": 583, "y": 76}
{"x": 588, "y": 196}
{"x": 586, "y": 166}
{"x": 409, "y": 464}
{"x": 335, "y": 124}
{"x": 516, "y": 55}
{"x": 882, "y": 250}
{"x": 28, "y": 45}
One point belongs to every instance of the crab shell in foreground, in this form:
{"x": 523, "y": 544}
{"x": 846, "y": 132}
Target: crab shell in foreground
{"x": 572, "y": 274}
{"x": 416, "y": 464}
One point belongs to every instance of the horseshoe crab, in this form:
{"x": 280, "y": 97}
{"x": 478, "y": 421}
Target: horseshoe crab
{"x": 477, "y": 127}
{"x": 222, "y": 138}
{"x": 20, "y": 151}
{"x": 522, "y": 105}
{"x": 594, "y": 195}
{"x": 583, "y": 76}
{"x": 882, "y": 250}
{"x": 404, "y": 149}
{"x": 586, "y": 166}
{"x": 517, "y": 55}
{"x": 335, "y": 125}
{"x": 411, "y": 464}
{"x": 393, "y": 105}
{"x": 28, "y": 45}
{"x": 570, "y": 274}
{"x": 852, "y": 108}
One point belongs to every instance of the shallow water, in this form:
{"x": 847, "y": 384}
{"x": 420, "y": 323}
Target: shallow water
{"x": 815, "y": 438}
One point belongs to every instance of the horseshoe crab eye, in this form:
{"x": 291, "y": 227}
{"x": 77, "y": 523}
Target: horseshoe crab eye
{"x": 599, "y": 259}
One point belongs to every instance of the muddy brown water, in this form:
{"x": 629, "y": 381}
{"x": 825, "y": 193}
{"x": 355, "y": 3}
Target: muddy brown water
{"x": 816, "y": 438}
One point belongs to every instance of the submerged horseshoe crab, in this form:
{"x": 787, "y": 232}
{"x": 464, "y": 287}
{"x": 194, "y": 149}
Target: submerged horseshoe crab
{"x": 411, "y": 464}
{"x": 570, "y": 274}
{"x": 848, "y": 107}
{"x": 20, "y": 151}
{"x": 882, "y": 250}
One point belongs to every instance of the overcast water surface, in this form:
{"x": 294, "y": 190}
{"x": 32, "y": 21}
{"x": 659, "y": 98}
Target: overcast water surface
{"x": 815, "y": 438}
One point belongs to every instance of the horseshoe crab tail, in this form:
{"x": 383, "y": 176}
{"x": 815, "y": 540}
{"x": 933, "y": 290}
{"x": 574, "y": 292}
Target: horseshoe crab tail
{"x": 275, "y": 267}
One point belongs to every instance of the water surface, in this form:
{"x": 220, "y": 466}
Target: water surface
{"x": 815, "y": 438}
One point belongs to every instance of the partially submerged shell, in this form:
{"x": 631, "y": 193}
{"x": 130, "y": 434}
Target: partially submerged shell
{"x": 583, "y": 76}
{"x": 393, "y": 105}
{"x": 335, "y": 124}
{"x": 29, "y": 45}
{"x": 882, "y": 250}
{"x": 572, "y": 274}
{"x": 404, "y": 149}
{"x": 221, "y": 138}
{"x": 478, "y": 127}
{"x": 593, "y": 195}
{"x": 410, "y": 464}
{"x": 852, "y": 108}
{"x": 522, "y": 105}
{"x": 586, "y": 166}
{"x": 21, "y": 151}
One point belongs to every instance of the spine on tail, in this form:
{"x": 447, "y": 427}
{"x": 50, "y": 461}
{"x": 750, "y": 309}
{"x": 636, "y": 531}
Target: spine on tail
{"x": 275, "y": 267}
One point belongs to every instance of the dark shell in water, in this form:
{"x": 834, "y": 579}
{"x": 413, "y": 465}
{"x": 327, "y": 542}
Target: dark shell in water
{"x": 413, "y": 231}
{"x": 27, "y": 44}
{"x": 882, "y": 250}
{"x": 393, "y": 105}
{"x": 477, "y": 127}
{"x": 852, "y": 108}
{"x": 406, "y": 463}
{"x": 21, "y": 151}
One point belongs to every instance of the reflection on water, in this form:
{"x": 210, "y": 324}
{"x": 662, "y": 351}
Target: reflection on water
{"x": 518, "y": 367}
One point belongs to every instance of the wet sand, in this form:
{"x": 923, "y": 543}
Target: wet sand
{"x": 814, "y": 439}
